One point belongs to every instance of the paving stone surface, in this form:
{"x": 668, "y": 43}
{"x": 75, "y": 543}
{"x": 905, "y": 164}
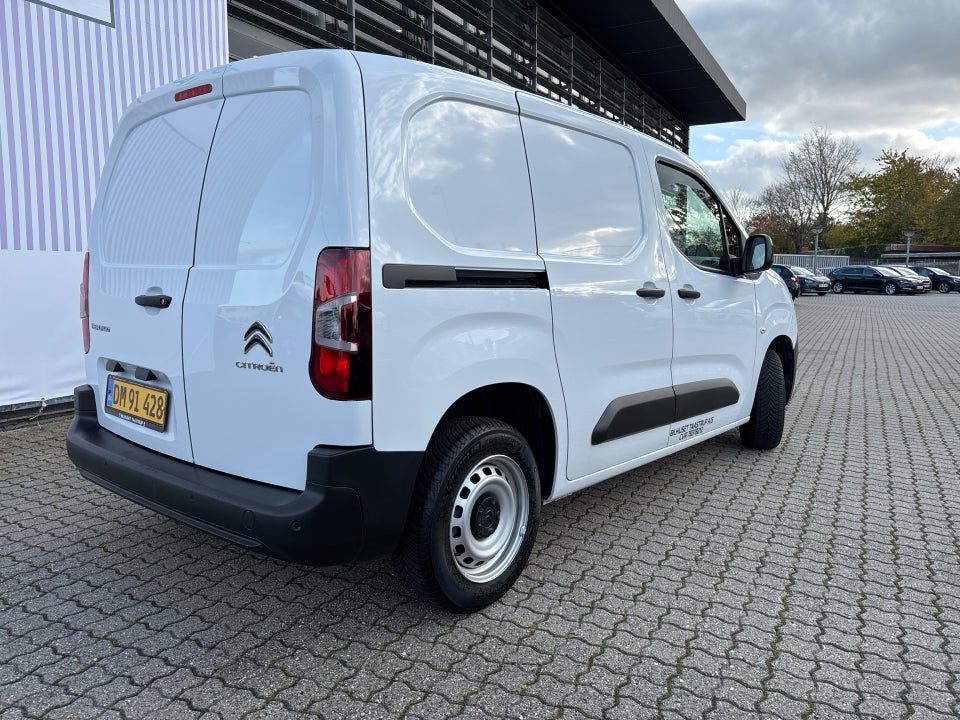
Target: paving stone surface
{"x": 818, "y": 580}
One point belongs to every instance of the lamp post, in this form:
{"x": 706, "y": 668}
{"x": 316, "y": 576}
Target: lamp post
{"x": 908, "y": 234}
{"x": 816, "y": 246}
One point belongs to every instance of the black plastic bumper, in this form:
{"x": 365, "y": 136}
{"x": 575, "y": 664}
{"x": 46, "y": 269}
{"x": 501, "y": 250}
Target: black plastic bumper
{"x": 354, "y": 505}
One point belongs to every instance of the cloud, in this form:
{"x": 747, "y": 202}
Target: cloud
{"x": 710, "y": 137}
{"x": 857, "y": 63}
{"x": 748, "y": 164}
{"x": 885, "y": 74}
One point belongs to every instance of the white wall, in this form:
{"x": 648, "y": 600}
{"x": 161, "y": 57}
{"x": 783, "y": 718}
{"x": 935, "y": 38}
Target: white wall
{"x": 64, "y": 81}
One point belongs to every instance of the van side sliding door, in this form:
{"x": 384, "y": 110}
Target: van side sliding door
{"x": 608, "y": 287}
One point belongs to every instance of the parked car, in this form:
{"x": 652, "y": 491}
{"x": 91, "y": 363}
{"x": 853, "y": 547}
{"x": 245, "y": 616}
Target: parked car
{"x": 925, "y": 284}
{"x": 942, "y": 280}
{"x": 864, "y": 278}
{"x": 811, "y": 281}
{"x": 377, "y": 365}
{"x": 790, "y": 278}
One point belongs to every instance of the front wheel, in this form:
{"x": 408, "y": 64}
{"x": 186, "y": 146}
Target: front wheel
{"x": 474, "y": 515}
{"x": 944, "y": 287}
{"x": 890, "y": 288}
{"x": 765, "y": 428}
{"x": 838, "y": 287}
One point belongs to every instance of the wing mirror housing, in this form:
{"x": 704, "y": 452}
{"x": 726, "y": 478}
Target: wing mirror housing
{"x": 757, "y": 254}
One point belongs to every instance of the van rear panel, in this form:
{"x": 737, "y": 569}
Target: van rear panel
{"x": 273, "y": 198}
{"x": 224, "y": 206}
{"x": 141, "y": 246}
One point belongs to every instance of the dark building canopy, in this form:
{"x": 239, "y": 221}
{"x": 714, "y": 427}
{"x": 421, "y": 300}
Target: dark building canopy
{"x": 657, "y": 44}
{"x": 636, "y": 62}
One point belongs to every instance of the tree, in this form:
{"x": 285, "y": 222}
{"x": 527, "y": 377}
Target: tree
{"x": 908, "y": 192}
{"x": 945, "y": 218}
{"x": 739, "y": 202}
{"x": 813, "y": 186}
{"x": 817, "y": 169}
{"x": 782, "y": 214}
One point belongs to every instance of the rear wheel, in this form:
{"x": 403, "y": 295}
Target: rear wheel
{"x": 474, "y": 515}
{"x": 765, "y": 429}
{"x": 838, "y": 287}
{"x": 944, "y": 287}
{"x": 890, "y": 288}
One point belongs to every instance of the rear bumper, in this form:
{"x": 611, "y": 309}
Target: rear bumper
{"x": 354, "y": 505}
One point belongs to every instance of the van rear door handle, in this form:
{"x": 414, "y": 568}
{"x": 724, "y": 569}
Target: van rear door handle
{"x": 653, "y": 292}
{"x": 688, "y": 293}
{"x": 157, "y": 301}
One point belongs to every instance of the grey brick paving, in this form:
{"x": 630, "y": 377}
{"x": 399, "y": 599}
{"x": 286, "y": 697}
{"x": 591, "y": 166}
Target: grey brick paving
{"x": 818, "y": 580}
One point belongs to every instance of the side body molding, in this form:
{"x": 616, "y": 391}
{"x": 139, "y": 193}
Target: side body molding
{"x": 655, "y": 408}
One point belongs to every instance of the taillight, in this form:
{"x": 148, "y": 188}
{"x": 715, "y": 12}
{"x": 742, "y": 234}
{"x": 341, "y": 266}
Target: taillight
{"x": 85, "y": 302}
{"x": 193, "y": 92}
{"x": 340, "y": 360}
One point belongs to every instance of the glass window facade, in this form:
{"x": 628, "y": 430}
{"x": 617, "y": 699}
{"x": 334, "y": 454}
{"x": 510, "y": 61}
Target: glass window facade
{"x": 517, "y": 42}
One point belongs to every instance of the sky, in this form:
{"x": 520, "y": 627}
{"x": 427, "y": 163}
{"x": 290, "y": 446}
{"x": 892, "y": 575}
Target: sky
{"x": 885, "y": 73}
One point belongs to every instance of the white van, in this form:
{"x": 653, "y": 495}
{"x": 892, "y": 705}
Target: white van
{"x": 340, "y": 305}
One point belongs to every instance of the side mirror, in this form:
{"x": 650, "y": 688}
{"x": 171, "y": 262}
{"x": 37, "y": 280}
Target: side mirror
{"x": 757, "y": 254}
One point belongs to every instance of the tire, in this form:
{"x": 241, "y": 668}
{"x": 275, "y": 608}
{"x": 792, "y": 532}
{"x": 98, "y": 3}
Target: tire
{"x": 765, "y": 428}
{"x": 838, "y": 287}
{"x": 474, "y": 514}
{"x": 890, "y": 288}
{"x": 943, "y": 287}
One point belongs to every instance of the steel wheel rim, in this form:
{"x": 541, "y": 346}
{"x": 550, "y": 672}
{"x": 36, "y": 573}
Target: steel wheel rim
{"x": 494, "y": 481}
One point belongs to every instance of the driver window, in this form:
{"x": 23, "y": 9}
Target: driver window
{"x": 696, "y": 221}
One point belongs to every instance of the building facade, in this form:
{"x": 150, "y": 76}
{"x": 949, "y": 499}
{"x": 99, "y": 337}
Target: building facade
{"x": 637, "y": 63}
{"x": 68, "y": 68}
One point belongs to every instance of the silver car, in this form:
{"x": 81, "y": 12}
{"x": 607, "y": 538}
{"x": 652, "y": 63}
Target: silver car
{"x": 926, "y": 285}
{"x": 811, "y": 281}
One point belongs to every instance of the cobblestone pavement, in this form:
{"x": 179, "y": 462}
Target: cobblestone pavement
{"x": 818, "y": 580}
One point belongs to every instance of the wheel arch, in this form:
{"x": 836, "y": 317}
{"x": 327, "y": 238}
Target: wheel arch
{"x": 783, "y": 347}
{"x": 526, "y": 409}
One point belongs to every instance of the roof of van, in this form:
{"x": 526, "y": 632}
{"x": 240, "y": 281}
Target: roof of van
{"x": 657, "y": 44}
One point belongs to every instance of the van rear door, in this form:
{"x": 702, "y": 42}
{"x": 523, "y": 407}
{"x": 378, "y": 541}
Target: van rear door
{"x": 286, "y": 178}
{"x": 141, "y": 249}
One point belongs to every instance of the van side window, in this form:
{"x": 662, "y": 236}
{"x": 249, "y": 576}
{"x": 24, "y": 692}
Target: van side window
{"x": 467, "y": 176}
{"x": 585, "y": 192}
{"x": 734, "y": 241}
{"x": 697, "y": 224}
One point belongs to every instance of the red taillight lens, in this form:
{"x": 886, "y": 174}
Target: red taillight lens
{"x": 193, "y": 92}
{"x": 85, "y": 302}
{"x": 340, "y": 361}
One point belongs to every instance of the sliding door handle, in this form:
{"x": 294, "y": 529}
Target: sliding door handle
{"x": 653, "y": 292}
{"x": 688, "y": 293}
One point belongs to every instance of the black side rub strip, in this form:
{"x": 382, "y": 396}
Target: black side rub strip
{"x": 635, "y": 413}
{"x": 639, "y": 412}
{"x": 697, "y": 398}
{"x": 399, "y": 277}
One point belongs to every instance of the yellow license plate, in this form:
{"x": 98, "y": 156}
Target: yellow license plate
{"x": 142, "y": 405}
